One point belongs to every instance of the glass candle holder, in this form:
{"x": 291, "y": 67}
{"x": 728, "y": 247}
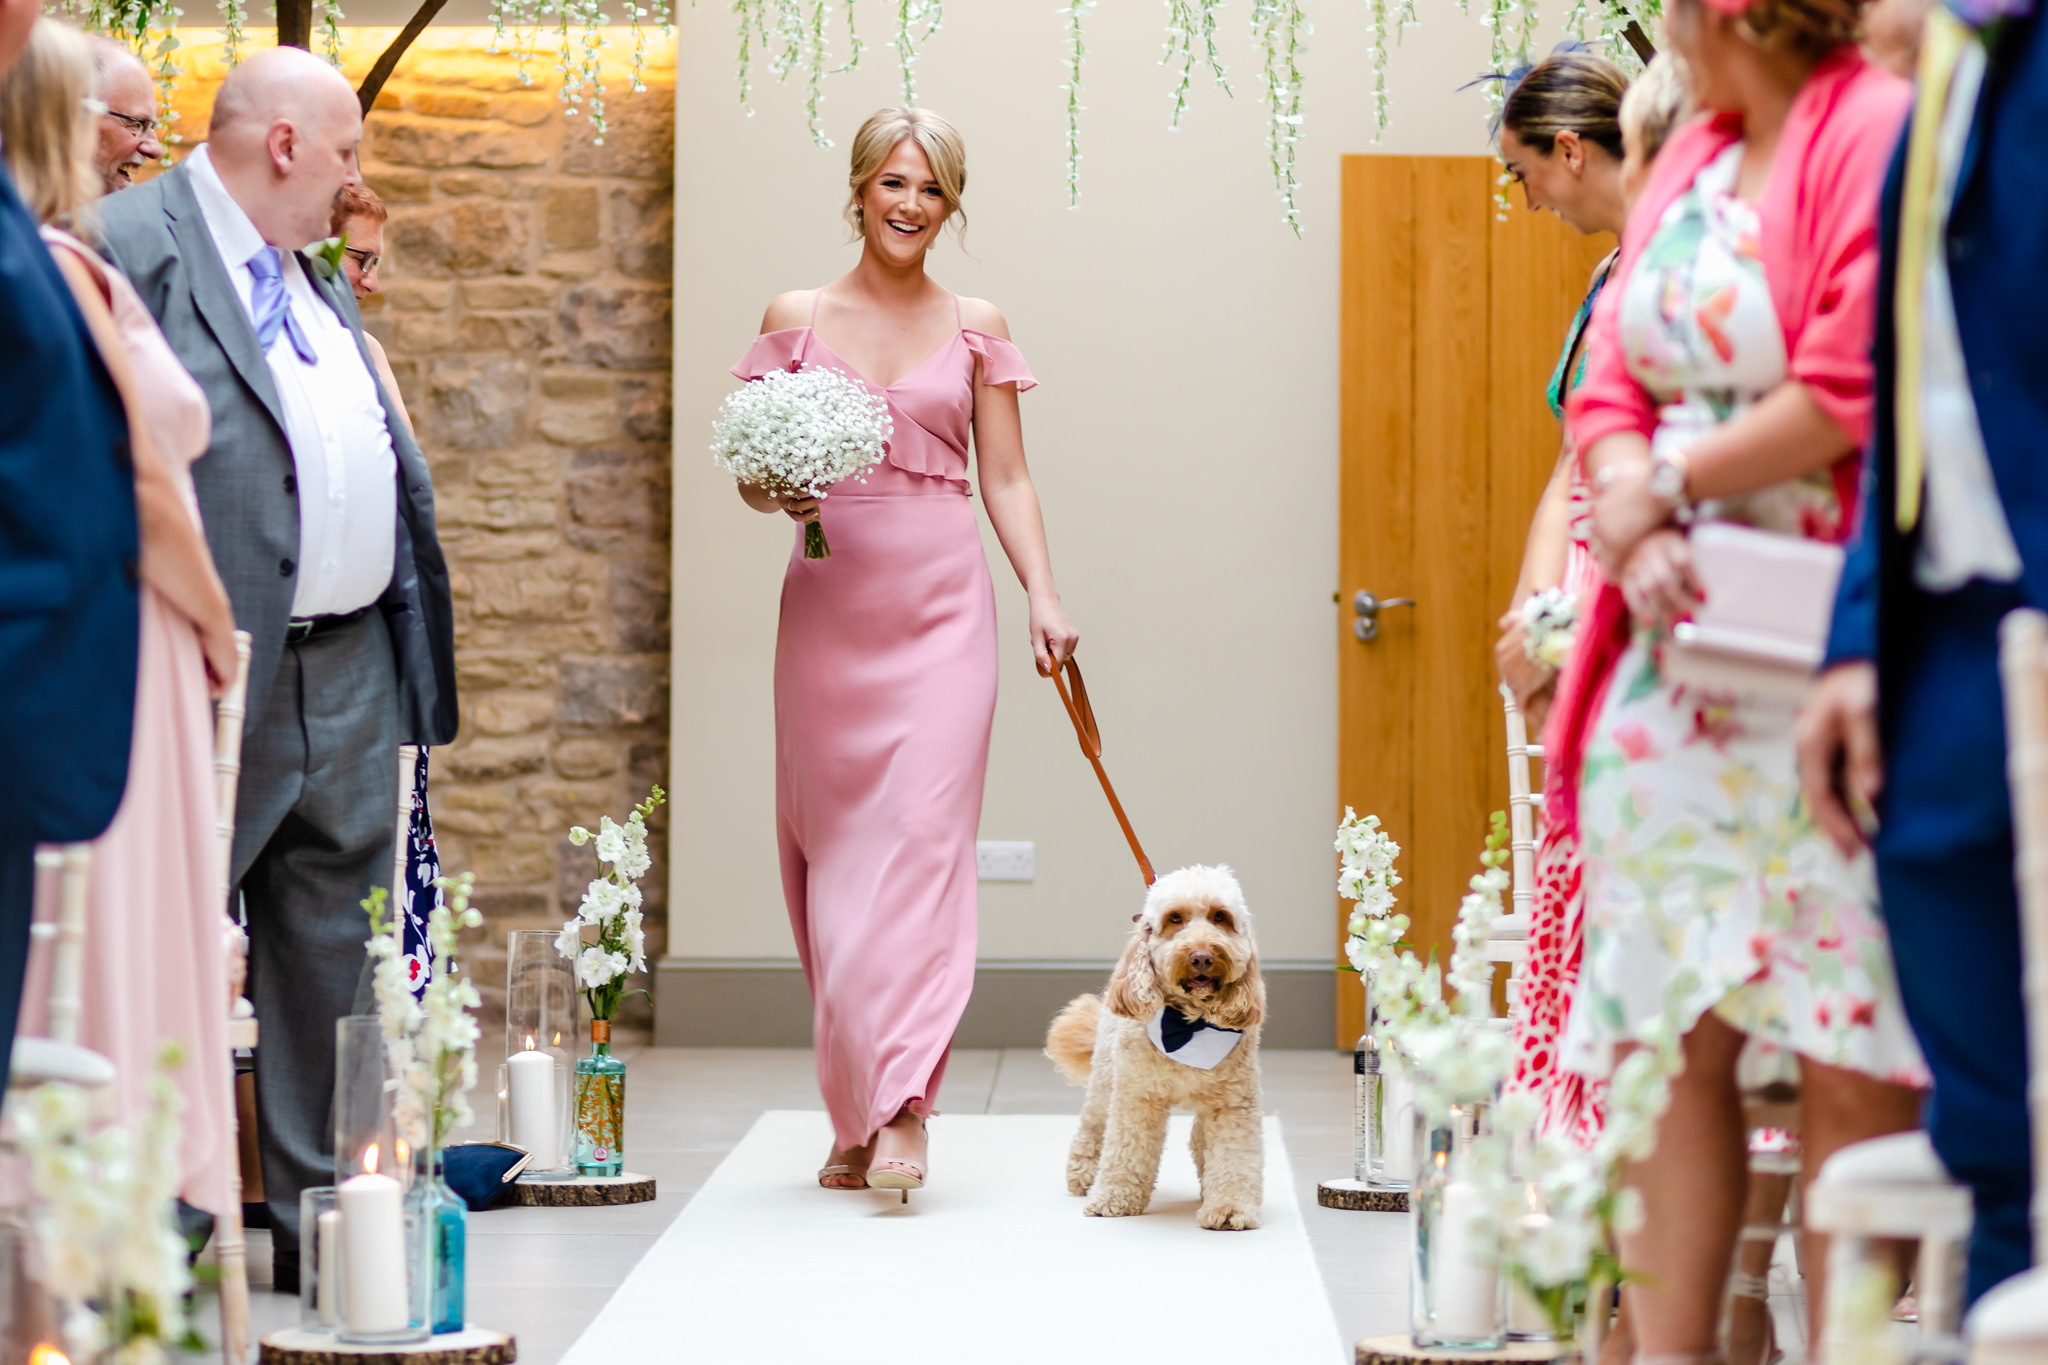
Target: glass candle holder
{"x": 319, "y": 1260}
{"x": 383, "y": 1277}
{"x": 536, "y": 1111}
{"x": 1455, "y": 1276}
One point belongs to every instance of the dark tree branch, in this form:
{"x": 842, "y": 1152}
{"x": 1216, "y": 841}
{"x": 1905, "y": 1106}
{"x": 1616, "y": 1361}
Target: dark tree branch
{"x": 1640, "y": 41}
{"x": 388, "y": 61}
{"x": 295, "y": 23}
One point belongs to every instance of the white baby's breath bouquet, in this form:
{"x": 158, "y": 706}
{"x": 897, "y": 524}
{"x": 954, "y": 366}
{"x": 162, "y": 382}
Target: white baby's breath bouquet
{"x": 1549, "y": 621}
{"x": 430, "y": 1041}
{"x": 797, "y": 433}
{"x": 611, "y": 905}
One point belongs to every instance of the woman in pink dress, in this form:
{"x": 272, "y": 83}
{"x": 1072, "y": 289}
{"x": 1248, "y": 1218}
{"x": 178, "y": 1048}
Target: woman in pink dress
{"x": 155, "y": 955}
{"x": 885, "y": 666}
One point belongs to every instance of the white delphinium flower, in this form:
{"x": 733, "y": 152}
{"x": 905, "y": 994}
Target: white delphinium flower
{"x": 1365, "y": 875}
{"x": 597, "y": 966}
{"x": 430, "y": 1042}
{"x": 800, "y": 433}
{"x": 604, "y": 900}
{"x": 611, "y": 842}
{"x": 104, "y": 1220}
{"x": 611, "y": 904}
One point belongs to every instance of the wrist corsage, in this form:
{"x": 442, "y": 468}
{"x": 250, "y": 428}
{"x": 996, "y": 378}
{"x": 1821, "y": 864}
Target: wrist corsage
{"x": 1548, "y": 621}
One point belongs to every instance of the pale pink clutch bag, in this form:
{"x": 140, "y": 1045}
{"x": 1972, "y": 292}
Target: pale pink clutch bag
{"x": 1763, "y": 627}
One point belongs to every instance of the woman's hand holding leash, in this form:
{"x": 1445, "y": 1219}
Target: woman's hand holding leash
{"x": 1053, "y": 637}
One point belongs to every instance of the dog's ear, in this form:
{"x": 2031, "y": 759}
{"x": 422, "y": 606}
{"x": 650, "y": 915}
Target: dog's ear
{"x": 1241, "y": 1003}
{"x": 1134, "y": 987}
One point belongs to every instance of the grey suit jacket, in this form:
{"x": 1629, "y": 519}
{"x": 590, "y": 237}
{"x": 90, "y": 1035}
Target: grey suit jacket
{"x": 248, "y": 492}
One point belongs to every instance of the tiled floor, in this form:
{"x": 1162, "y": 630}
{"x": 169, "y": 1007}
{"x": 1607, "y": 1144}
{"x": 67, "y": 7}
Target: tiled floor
{"x": 544, "y": 1273}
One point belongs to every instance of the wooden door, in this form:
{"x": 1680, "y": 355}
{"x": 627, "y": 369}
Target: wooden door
{"x": 1450, "y": 324}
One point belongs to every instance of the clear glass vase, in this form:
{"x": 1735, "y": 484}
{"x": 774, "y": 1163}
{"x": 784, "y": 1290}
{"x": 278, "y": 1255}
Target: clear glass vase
{"x": 448, "y": 1228}
{"x": 1455, "y": 1276}
{"x": 600, "y": 1106}
{"x": 1383, "y": 1109}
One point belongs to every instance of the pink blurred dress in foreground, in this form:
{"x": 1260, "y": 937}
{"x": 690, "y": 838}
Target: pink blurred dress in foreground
{"x": 885, "y": 690}
{"x": 154, "y": 968}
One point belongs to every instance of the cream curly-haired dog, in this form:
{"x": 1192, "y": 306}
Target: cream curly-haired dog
{"x": 1177, "y": 1028}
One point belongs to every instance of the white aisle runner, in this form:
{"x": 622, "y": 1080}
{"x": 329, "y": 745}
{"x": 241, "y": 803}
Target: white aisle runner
{"x": 994, "y": 1263}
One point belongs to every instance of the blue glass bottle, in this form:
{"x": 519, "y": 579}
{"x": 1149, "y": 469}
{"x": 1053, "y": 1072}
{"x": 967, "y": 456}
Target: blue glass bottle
{"x": 448, "y": 1218}
{"x": 600, "y": 1106}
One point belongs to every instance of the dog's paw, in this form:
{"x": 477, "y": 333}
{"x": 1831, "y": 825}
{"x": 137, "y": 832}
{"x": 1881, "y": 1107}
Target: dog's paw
{"x": 1116, "y": 1204}
{"x": 1080, "y": 1175}
{"x": 1227, "y": 1217}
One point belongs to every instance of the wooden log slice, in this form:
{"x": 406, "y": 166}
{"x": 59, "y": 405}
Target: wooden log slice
{"x": 587, "y": 1191}
{"x": 1402, "y": 1350}
{"x": 470, "y": 1346}
{"x": 1360, "y": 1197}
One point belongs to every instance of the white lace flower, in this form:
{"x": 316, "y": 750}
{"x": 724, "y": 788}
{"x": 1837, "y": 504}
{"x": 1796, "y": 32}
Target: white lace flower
{"x": 611, "y": 842}
{"x": 602, "y": 901}
{"x": 598, "y": 967}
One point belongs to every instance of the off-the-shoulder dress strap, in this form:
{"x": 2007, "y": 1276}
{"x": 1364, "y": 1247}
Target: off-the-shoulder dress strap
{"x": 816, "y": 294}
{"x": 959, "y": 321}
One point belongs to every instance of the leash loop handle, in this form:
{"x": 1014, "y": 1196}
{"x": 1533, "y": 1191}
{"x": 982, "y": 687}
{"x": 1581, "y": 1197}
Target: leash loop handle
{"x": 1090, "y": 735}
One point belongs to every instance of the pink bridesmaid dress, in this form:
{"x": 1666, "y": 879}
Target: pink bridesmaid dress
{"x": 885, "y": 690}
{"x": 155, "y": 969}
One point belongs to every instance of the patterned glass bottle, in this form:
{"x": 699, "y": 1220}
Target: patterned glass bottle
{"x": 600, "y": 1106}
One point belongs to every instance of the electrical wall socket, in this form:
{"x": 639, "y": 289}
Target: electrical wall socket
{"x": 999, "y": 860}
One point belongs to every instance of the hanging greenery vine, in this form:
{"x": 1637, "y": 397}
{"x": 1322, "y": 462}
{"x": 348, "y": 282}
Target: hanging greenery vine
{"x": 1278, "y": 28}
{"x": 1077, "y": 52}
{"x": 1189, "y": 22}
{"x": 330, "y": 32}
{"x": 913, "y": 14}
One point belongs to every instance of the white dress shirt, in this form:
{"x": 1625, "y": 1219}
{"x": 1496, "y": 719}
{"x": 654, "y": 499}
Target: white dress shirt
{"x": 1963, "y": 533}
{"x": 346, "y": 469}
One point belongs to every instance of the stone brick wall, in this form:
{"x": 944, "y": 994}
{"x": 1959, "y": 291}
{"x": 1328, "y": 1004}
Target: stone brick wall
{"x": 525, "y": 309}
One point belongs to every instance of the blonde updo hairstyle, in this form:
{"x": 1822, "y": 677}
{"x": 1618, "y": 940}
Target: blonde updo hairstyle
{"x": 1656, "y": 103}
{"x": 47, "y": 133}
{"x": 938, "y": 139}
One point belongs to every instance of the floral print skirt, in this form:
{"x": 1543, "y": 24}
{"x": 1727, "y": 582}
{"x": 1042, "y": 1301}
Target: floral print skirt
{"x": 1708, "y": 887}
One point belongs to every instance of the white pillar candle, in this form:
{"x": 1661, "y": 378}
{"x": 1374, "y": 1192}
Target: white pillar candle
{"x": 327, "y": 1246}
{"x": 530, "y": 1076}
{"x": 372, "y": 1252}
{"x": 1464, "y": 1280}
{"x": 1398, "y": 1116}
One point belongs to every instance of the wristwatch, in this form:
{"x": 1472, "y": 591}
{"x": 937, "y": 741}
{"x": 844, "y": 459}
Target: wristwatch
{"x": 1668, "y": 471}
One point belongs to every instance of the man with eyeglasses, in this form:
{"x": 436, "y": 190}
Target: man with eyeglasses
{"x": 128, "y": 126}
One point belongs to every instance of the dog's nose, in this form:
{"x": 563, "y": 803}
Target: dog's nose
{"x": 1202, "y": 961}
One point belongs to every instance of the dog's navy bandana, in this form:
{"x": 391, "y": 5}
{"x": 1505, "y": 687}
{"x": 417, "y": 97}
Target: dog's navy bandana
{"x": 1191, "y": 1042}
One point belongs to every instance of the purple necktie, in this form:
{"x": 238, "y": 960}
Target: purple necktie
{"x": 272, "y": 306}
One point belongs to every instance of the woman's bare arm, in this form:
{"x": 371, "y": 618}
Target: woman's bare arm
{"x": 1012, "y": 499}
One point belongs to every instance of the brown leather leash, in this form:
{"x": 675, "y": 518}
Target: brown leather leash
{"x": 1090, "y": 735}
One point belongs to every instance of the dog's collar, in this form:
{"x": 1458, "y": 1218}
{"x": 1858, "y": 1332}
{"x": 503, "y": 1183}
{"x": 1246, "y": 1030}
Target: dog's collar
{"x": 1191, "y": 1042}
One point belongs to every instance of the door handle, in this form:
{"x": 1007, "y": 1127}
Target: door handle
{"x": 1367, "y": 609}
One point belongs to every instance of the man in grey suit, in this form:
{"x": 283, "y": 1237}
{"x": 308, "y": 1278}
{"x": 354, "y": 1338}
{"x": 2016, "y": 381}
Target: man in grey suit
{"x": 320, "y": 514}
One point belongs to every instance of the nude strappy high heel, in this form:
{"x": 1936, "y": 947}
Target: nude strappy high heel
{"x": 896, "y": 1173}
{"x": 853, "y": 1167}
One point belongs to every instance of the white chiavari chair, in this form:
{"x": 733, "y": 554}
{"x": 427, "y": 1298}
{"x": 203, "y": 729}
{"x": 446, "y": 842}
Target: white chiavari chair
{"x": 2009, "y": 1325}
{"x": 1509, "y": 942}
{"x": 229, "y": 1247}
{"x": 57, "y": 1056}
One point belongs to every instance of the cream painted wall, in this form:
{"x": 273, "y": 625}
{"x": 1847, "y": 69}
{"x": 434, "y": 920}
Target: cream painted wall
{"x": 1183, "y": 441}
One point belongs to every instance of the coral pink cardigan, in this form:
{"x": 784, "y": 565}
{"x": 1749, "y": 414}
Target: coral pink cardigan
{"x": 1819, "y": 241}
{"x": 1818, "y": 218}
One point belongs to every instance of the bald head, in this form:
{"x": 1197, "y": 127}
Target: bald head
{"x": 128, "y": 137}
{"x": 283, "y": 136}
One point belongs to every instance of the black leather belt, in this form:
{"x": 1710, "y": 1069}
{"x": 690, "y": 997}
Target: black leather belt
{"x": 304, "y": 628}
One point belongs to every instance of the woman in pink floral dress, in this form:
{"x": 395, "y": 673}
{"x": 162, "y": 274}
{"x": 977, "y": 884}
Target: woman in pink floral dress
{"x": 1731, "y": 381}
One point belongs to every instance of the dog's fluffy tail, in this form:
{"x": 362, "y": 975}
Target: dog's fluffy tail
{"x": 1070, "y": 1042}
